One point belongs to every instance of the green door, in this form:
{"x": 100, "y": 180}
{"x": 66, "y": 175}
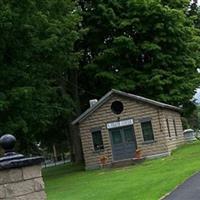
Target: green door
{"x": 123, "y": 143}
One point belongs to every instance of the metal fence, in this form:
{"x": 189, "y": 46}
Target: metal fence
{"x": 50, "y": 160}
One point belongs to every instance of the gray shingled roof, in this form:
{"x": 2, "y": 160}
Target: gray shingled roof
{"x": 106, "y": 97}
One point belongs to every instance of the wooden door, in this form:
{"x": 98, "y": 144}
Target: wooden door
{"x": 123, "y": 143}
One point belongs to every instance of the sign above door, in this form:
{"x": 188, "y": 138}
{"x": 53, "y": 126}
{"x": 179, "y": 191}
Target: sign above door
{"x": 117, "y": 124}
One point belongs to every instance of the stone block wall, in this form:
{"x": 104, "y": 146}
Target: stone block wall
{"x": 23, "y": 183}
{"x": 136, "y": 110}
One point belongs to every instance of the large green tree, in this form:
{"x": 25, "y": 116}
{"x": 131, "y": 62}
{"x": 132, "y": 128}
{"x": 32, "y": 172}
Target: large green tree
{"x": 148, "y": 47}
{"x": 37, "y": 60}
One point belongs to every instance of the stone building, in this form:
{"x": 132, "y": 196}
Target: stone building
{"x": 120, "y": 124}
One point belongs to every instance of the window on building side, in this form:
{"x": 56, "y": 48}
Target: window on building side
{"x": 147, "y": 131}
{"x": 167, "y": 121}
{"x": 174, "y": 122}
{"x": 97, "y": 140}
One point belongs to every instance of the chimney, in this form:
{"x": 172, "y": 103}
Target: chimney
{"x": 93, "y": 102}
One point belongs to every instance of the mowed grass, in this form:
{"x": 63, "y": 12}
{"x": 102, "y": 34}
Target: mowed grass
{"x": 147, "y": 181}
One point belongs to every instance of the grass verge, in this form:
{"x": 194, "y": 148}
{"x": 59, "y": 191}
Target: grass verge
{"x": 147, "y": 181}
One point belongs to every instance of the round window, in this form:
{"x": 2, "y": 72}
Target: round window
{"x": 117, "y": 107}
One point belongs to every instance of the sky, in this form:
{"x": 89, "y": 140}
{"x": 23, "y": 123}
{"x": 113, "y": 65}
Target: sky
{"x": 197, "y": 95}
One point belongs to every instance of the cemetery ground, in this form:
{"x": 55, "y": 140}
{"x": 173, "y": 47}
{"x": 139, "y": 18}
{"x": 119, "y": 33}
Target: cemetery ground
{"x": 149, "y": 180}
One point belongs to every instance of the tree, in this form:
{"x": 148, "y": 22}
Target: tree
{"x": 191, "y": 115}
{"x": 193, "y": 9}
{"x": 147, "y": 47}
{"x": 36, "y": 55}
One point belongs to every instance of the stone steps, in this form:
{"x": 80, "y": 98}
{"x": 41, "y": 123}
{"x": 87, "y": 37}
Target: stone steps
{"x": 123, "y": 163}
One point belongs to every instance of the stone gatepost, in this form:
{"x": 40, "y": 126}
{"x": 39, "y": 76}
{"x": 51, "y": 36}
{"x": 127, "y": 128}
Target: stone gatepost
{"x": 20, "y": 177}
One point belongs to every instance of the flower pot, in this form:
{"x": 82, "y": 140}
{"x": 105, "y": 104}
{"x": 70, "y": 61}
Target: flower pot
{"x": 138, "y": 154}
{"x": 103, "y": 160}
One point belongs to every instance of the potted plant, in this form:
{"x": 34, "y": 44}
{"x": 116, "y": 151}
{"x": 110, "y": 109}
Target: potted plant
{"x": 103, "y": 160}
{"x": 138, "y": 154}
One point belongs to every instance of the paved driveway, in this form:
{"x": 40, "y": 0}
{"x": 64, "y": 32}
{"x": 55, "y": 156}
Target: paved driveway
{"x": 189, "y": 190}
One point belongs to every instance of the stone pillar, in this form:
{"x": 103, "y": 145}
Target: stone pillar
{"x": 20, "y": 177}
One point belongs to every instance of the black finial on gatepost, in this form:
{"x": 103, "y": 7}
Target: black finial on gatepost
{"x": 11, "y": 159}
{"x": 8, "y": 142}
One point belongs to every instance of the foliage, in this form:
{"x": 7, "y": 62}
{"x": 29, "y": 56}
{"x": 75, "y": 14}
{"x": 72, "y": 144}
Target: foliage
{"x": 191, "y": 116}
{"x": 149, "y": 48}
{"x": 37, "y": 50}
{"x": 163, "y": 174}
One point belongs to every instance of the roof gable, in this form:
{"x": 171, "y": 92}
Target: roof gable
{"x": 108, "y": 95}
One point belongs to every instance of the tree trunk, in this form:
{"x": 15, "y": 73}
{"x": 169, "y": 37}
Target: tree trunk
{"x": 54, "y": 152}
{"x": 76, "y": 151}
{"x": 75, "y": 141}
{"x": 74, "y": 129}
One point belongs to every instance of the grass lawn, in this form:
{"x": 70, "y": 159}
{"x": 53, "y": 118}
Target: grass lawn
{"x": 147, "y": 181}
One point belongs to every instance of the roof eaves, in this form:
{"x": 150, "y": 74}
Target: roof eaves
{"x": 150, "y": 101}
{"x": 93, "y": 108}
{"x": 132, "y": 96}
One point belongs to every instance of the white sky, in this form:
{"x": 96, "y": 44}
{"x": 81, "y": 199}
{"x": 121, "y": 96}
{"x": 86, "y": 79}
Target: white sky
{"x": 197, "y": 95}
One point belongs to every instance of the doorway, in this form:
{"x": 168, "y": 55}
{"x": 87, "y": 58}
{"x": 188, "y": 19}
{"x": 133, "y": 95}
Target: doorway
{"x": 123, "y": 143}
